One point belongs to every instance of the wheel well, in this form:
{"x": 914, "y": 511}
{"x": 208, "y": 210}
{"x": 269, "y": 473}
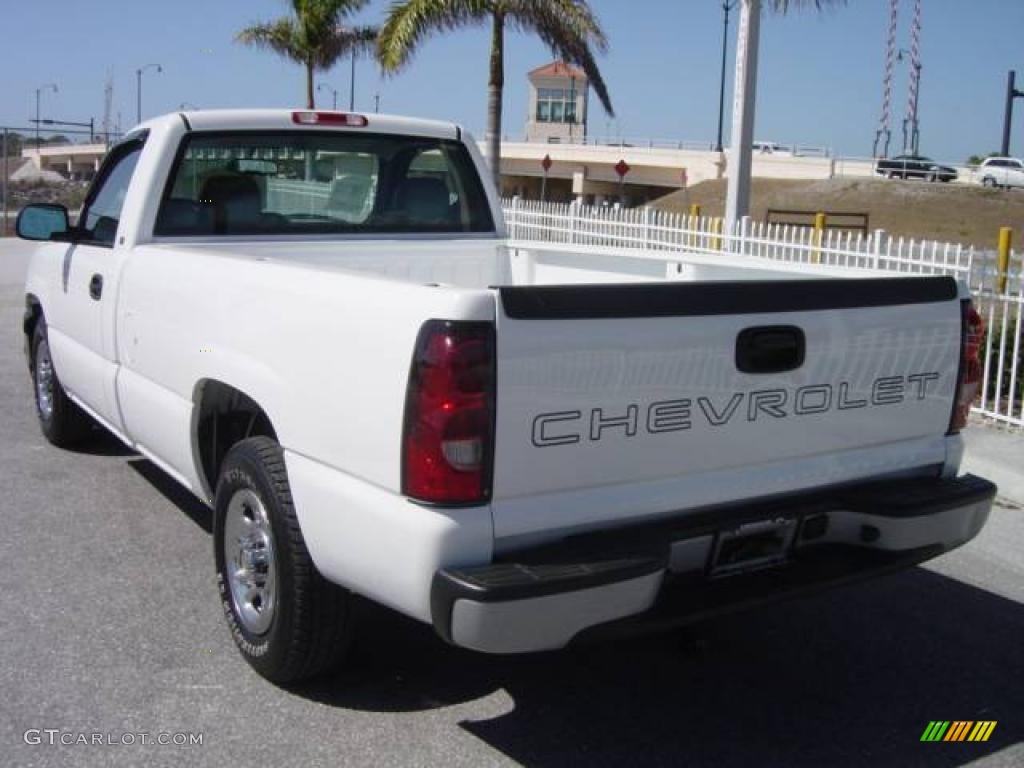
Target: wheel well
{"x": 225, "y": 416}
{"x": 33, "y": 313}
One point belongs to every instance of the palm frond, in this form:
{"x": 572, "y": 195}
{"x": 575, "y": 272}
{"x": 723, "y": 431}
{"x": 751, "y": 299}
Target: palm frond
{"x": 409, "y": 22}
{"x": 280, "y": 36}
{"x": 343, "y": 41}
{"x": 314, "y": 36}
{"x": 572, "y": 32}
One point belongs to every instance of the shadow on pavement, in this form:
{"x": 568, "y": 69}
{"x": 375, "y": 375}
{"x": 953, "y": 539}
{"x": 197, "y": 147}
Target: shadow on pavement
{"x": 100, "y": 442}
{"x": 850, "y": 677}
{"x": 173, "y": 491}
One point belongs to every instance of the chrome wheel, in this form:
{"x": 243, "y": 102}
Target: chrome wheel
{"x": 44, "y": 380}
{"x": 250, "y": 560}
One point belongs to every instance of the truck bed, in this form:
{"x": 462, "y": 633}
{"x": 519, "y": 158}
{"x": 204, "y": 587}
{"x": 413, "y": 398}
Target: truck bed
{"x": 485, "y": 263}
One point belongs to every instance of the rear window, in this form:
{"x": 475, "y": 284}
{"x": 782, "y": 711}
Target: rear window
{"x": 294, "y": 183}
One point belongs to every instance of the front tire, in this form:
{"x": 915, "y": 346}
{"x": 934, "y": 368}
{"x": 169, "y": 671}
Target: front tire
{"x": 989, "y": 182}
{"x": 62, "y": 422}
{"x": 287, "y": 620}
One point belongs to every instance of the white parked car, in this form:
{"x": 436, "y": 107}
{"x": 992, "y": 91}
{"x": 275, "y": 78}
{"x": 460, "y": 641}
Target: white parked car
{"x": 376, "y": 395}
{"x": 1001, "y": 172}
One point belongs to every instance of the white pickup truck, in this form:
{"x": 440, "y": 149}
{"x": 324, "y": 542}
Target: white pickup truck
{"x": 314, "y": 322}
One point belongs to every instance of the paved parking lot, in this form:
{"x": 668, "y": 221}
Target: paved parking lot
{"x": 111, "y": 624}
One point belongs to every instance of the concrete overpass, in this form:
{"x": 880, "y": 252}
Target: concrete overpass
{"x": 74, "y": 161}
{"x": 577, "y": 170}
{"x": 588, "y": 170}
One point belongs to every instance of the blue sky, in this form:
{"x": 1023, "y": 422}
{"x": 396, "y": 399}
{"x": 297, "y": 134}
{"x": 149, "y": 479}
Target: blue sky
{"x": 819, "y": 84}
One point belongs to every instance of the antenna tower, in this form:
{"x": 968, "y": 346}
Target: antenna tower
{"x": 884, "y": 133}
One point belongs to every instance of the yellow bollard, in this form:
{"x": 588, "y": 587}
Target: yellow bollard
{"x": 694, "y": 225}
{"x": 718, "y": 226}
{"x": 1005, "y": 244}
{"x": 819, "y": 234}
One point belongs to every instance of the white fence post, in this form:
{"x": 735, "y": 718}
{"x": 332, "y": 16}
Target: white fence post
{"x": 647, "y": 228}
{"x": 572, "y": 221}
{"x": 513, "y": 228}
{"x": 744, "y": 227}
{"x": 877, "y": 249}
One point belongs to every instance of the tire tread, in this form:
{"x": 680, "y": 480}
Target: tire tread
{"x": 320, "y": 630}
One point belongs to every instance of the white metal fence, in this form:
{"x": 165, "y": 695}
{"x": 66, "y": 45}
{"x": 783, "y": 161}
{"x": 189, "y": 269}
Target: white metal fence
{"x": 998, "y": 290}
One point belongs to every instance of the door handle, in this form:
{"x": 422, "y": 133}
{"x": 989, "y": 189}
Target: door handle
{"x": 96, "y": 287}
{"x": 770, "y": 349}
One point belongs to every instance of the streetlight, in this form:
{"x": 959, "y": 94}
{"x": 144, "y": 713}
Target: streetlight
{"x": 39, "y": 91}
{"x": 334, "y": 91}
{"x": 726, "y": 8}
{"x": 138, "y": 88}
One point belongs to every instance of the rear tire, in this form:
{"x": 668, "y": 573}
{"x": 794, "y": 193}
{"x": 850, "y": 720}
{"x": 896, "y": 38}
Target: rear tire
{"x": 287, "y": 620}
{"x": 989, "y": 182}
{"x": 62, "y": 422}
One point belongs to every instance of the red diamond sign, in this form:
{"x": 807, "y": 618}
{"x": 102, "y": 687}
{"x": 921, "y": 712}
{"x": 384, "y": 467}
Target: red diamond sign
{"x": 546, "y": 163}
{"x": 622, "y": 168}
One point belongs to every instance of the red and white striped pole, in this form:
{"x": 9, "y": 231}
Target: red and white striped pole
{"x": 914, "y": 88}
{"x": 884, "y": 132}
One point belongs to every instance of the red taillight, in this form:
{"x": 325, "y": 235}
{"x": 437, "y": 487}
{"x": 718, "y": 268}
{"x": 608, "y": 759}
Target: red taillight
{"x": 448, "y": 435}
{"x": 329, "y": 118}
{"x": 970, "y": 367}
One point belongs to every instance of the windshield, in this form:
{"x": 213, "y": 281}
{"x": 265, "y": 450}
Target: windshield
{"x": 294, "y": 183}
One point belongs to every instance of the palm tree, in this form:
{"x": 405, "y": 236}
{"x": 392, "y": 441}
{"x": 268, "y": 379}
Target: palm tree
{"x": 568, "y": 27}
{"x": 313, "y": 36}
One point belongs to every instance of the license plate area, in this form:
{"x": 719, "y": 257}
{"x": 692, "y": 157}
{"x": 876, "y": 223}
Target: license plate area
{"x": 752, "y": 546}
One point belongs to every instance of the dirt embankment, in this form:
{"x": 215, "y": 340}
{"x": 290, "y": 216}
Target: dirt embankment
{"x": 954, "y": 213}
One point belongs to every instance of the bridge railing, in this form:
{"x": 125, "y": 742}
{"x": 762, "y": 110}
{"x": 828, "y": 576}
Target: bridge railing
{"x": 998, "y": 288}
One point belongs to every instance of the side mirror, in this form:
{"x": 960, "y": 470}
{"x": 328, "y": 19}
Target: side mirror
{"x": 42, "y": 221}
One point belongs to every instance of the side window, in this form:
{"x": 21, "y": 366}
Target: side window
{"x": 100, "y": 219}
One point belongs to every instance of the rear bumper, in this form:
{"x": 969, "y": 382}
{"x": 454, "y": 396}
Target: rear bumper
{"x": 681, "y": 570}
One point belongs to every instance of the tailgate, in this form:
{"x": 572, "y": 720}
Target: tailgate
{"x": 623, "y": 401}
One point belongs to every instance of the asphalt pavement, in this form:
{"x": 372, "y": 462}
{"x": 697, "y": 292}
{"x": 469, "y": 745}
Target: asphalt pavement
{"x": 111, "y": 626}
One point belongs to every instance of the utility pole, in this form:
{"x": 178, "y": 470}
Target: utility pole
{"x": 1011, "y": 94}
{"x": 352, "y": 85}
{"x": 334, "y": 93}
{"x": 39, "y": 92}
{"x": 726, "y": 8}
{"x": 6, "y": 173}
{"x": 737, "y": 202}
{"x": 376, "y": 102}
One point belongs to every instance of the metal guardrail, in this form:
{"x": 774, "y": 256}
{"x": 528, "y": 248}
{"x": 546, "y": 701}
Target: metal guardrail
{"x": 997, "y": 287}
